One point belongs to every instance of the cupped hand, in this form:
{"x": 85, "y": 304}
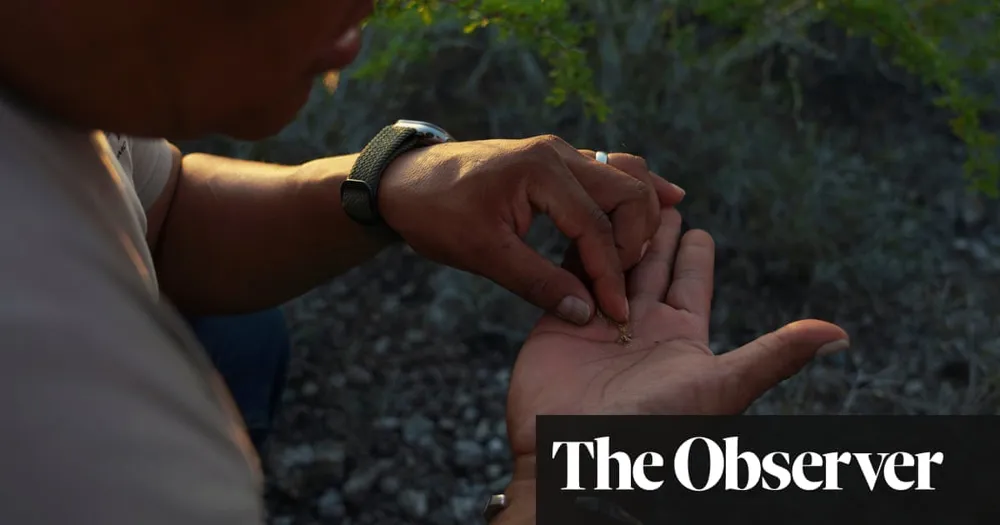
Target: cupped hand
{"x": 667, "y": 367}
{"x": 470, "y": 204}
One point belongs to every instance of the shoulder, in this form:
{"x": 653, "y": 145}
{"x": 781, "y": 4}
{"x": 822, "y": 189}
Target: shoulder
{"x": 113, "y": 407}
{"x": 108, "y": 399}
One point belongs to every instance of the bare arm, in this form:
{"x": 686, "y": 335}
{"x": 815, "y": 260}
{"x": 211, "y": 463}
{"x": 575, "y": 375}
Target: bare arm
{"x": 232, "y": 236}
{"x": 239, "y": 236}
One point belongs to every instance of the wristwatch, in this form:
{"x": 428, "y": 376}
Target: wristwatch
{"x": 359, "y": 192}
{"x": 494, "y": 506}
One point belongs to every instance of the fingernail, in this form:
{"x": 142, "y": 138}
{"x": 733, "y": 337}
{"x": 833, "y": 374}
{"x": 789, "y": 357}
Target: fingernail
{"x": 833, "y": 348}
{"x": 628, "y": 313}
{"x": 574, "y": 310}
{"x": 645, "y": 246}
{"x": 679, "y": 189}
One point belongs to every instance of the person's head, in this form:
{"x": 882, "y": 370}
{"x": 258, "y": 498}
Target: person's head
{"x": 174, "y": 68}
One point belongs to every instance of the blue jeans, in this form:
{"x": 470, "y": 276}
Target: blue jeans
{"x": 251, "y": 353}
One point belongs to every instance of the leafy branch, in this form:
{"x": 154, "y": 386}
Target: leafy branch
{"x": 944, "y": 43}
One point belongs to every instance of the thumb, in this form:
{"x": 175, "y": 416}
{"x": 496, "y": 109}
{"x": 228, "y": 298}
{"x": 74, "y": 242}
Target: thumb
{"x": 539, "y": 281}
{"x": 760, "y": 365}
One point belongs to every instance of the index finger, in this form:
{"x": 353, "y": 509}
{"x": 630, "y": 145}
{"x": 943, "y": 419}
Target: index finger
{"x": 560, "y": 196}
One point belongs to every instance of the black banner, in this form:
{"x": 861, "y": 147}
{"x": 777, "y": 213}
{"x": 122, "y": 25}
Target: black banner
{"x": 695, "y": 470}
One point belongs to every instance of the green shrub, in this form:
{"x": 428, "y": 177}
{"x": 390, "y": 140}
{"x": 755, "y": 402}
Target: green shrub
{"x": 946, "y": 44}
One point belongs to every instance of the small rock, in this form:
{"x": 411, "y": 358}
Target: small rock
{"x": 388, "y": 423}
{"x": 310, "y": 389}
{"x": 359, "y": 376}
{"x": 468, "y": 453}
{"x": 913, "y": 387}
{"x": 382, "y": 344}
{"x": 493, "y": 471}
{"x": 980, "y": 251}
{"x": 390, "y": 303}
{"x": 415, "y": 335}
{"x": 330, "y": 505}
{"x": 337, "y": 381}
{"x": 496, "y": 447}
{"x": 416, "y": 428}
{"x": 500, "y": 484}
{"x": 389, "y": 485}
{"x": 413, "y": 502}
{"x": 483, "y": 430}
{"x": 330, "y": 452}
{"x": 346, "y": 308}
{"x": 362, "y": 479}
{"x": 437, "y": 316}
{"x": 470, "y": 414}
{"x": 446, "y": 424}
{"x": 464, "y": 507}
{"x": 463, "y": 432}
{"x": 973, "y": 211}
{"x": 298, "y": 456}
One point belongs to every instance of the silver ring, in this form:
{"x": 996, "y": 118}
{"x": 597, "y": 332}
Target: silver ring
{"x": 601, "y": 156}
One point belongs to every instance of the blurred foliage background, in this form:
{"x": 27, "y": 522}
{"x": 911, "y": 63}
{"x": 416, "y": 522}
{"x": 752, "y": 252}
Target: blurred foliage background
{"x": 842, "y": 154}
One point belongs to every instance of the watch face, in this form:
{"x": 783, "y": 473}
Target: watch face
{"x": 429, "y": 132}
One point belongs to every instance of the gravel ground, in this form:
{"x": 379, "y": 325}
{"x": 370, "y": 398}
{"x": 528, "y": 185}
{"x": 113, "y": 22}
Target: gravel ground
{"x": 395, "y": 409}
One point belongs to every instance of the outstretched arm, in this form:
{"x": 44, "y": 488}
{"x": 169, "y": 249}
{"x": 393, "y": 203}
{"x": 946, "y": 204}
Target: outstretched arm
{"x": 240, "y": 236}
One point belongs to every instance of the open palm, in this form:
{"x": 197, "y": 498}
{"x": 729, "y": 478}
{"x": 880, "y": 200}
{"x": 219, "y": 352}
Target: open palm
{"x": 667, "y": 367}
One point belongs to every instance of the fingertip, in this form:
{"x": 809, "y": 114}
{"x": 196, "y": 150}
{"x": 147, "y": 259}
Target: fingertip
{"x": 613, "y": 301}
{"x": 834, "y": 347}
{"x": 816, "y": 332}
{"x": 575, "y": 310}
{"x": 669, "y": 193}
{"x": 668, "y": 229}
{"x": 569, "y": 298}
{"x": 620, "y": 313}
{"x": 698, "y": 237}
{"x": 677, "y": 190}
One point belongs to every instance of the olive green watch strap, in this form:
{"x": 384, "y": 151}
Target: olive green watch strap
{"x": 359, "y": 192}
